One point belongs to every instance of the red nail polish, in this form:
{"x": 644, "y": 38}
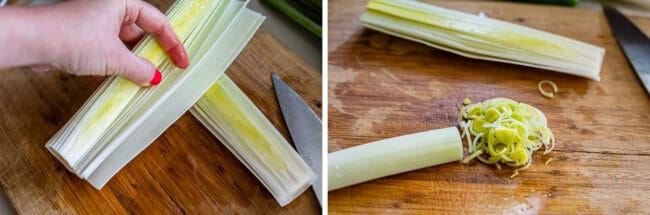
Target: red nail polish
{"x": 157, "y": 77}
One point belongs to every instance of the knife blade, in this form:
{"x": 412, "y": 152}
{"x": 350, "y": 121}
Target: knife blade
{"x": 305, "y": 128}
{"x": 634, "y": 42}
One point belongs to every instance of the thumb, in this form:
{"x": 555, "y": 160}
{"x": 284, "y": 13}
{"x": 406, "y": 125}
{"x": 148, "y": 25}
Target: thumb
{"x": 139, "y": 70}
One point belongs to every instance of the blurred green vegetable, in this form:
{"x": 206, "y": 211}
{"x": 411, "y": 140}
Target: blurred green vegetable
{"x": 307, "y": 13}
{"x": 557, "y": 2}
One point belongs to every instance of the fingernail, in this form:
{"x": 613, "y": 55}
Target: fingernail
{"x": 157, "y": 77}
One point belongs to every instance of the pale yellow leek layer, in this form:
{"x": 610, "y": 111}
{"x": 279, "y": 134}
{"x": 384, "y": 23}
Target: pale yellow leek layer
{"x": 228, "y": 113}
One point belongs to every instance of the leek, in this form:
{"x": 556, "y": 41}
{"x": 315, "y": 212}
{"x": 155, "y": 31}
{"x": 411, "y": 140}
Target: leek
{"x": 466, "y": 101}
{"x": 501, "y": 130}
{"x": 238, "y": 123}
{"x": 392, "y": 156}
{"x": 483, "y": 38}
{"x": 121, "y": 119}
{"x": 544, "y": 93}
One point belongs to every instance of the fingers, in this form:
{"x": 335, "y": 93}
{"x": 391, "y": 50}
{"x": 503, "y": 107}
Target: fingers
{"x": 131, "y": 33}
{"x": 136, "y": 69}
{"x": 152, "y": 20}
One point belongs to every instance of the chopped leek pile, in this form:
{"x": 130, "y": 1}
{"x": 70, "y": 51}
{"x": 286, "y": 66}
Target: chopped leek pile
{"x": 121, "y": 119}
{"x": 249, "y": 135}
{"x": 483, "y": 38}
{"x": 503, "y": 131}
{"x": 392, "y": 156}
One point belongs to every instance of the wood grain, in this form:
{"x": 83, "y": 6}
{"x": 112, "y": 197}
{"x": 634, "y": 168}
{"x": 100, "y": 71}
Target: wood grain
{"x": 381, "y": 87}
{"x": 186, "y": 170}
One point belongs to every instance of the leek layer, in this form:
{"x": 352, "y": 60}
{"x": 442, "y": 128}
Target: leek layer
{"x": 483, "y": 38}
{"x": 229, "y": 115}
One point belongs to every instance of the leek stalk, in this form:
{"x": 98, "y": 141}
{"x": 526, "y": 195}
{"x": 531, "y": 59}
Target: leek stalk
{"x": 392, "y": 156}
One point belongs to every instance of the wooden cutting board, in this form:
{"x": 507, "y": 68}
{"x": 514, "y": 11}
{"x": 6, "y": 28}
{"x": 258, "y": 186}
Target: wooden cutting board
{"x": 381, "y": 87}
{"x": 186, "y": 170}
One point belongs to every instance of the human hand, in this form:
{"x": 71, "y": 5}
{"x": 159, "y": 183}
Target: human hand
{"x": 86, "y": 37}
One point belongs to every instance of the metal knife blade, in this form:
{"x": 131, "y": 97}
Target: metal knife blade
{"x": 305, "y": 128}
{"x": 634, "y": 43}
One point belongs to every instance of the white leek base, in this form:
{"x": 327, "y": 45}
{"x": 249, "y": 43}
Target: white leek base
{"x": 393, "y": 156}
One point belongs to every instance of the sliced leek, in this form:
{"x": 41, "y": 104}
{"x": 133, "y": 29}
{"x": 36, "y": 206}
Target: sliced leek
{"x": 548, "y": 161}
{"x": 466, "y": 101}
{"x": 121, "y": 119}
{"x": 545, "y": 93}
{"x": 238, "y": 123}
{"x": 392, "y": 156}
{"x": 504, "y": 131}
{"x": 483, "y": 38}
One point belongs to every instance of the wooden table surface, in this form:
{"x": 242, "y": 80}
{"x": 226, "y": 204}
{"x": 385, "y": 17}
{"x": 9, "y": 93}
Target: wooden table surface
{"x": 186, "y": 170}
{"x": 381, "y": 87}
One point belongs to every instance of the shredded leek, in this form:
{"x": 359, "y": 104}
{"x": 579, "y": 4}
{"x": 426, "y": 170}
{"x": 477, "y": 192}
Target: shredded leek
{"x": 501, "y": 130}
{"x": 466, "y": 101}
{"x": 546, "y": 93}
{"x": 483, "y": 38}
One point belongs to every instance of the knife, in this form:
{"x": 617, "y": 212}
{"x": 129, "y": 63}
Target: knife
{"x": 634, "y": 42}
{"x": 305, "y": 128}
